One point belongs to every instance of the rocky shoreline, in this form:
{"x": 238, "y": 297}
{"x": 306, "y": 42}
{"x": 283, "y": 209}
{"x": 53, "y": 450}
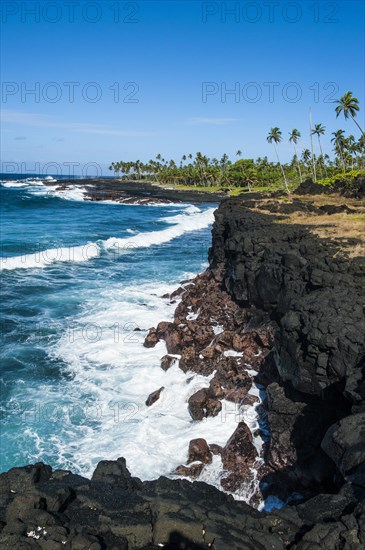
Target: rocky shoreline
{"x": 277, "y": 326}
{"x": 278, "y": 308}
{"x": 135, "y": 192}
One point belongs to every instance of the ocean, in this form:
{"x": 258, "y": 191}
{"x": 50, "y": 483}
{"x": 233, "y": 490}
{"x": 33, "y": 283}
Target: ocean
{"x": 81, "y": 284}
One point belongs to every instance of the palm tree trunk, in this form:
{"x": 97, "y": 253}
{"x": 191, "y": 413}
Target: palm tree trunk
{"x": 341, "y": 156}
{"x": 357, "y": 124}
{"x": 298, "y": 163}
{"x": 282, "y": 169}
{"x": 324, "y": 163}
{"x": 313, "y": 160}
{"x": 320, "y": 148}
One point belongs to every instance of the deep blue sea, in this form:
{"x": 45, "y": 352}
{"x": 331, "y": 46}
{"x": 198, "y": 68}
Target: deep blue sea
{"x": 81, "y": 284}
{"x": 77, "y": 279}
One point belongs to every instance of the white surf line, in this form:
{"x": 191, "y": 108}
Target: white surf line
{"x": 185, "y": 223}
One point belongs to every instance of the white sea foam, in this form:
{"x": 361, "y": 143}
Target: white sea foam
{"x": 183, "y": 223}
{"x": 193, "y": 221}
{"x": 14, "y": 184}
{"x": 72, "y": 193}
{"x": 113, "y": 372}
{"x": 109, "y": 374}
{"x": 47, "y": 257}
{"x": 42, "y": 187}
{"x": 28, "y": 182}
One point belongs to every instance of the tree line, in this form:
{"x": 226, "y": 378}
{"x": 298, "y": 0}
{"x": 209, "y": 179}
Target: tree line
{"x": 199, "y": 170}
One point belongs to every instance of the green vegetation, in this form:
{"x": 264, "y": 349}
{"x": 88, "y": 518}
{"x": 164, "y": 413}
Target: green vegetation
{"x": 351, "y": 180}
{"x": 199, "y": 172}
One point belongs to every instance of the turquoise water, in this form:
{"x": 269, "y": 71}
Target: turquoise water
{"x": 81, "y": 284}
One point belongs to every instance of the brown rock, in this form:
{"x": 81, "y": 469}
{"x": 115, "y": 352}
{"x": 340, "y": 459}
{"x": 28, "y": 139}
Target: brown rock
{"x": 215, "y": 449}
{"x": 199, "y": 451}
{"x": 237, "y": 395}
{"x": 162, "y": 328}
{"x": 201, "y": 405}
{"x": 245, "y": 342}
{"x": 239, "y": 453}
{"x": 167, "y": 361}
{"x": 215, "y": 388}
{"x": 197, "y": 403}
{"x": 208, "y": 352}
{"x": 154, "y": 396}
{"x": 188, "y": 358}
{"x": 265, "y": 335}
{"x": 250, "y": 399}
{"x": 151, "y": 339}
{"x": 214, "y": 407}
{"x": 225, "y": 338}
{"x": 190, "y": 471}
{"x": 172, "y": 336}
{"x": 177, "y": 292}
{"x": 203, "y": 335}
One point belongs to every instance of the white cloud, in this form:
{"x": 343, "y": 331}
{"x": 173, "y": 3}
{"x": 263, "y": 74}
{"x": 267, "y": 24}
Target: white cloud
{"x": 10, "y": 116}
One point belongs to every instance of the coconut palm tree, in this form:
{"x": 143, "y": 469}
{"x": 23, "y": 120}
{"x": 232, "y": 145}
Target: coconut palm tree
{"x": 350, "y": 145}
{"x": 349, "y": 106}
{"x": 239, "y": 153}
{"x": 294, "y": 136}
{"x": 306, "y": 157}
{"x": 112, "y": 168}
{"x": 361, "y": 149}
{"x": 274, "y": 137}
{"x": 338, "y": 140}
{"x": 250, "y": 177}
{"x": 319, "y": 130}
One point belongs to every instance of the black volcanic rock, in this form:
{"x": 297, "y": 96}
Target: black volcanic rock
{"x": 114, "y": 511}
{"x": 316, "y": 297}
{"x": 344, "y": 442}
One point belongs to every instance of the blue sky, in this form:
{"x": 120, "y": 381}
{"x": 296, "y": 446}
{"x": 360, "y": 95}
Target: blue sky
{"x": 172, "y": 65}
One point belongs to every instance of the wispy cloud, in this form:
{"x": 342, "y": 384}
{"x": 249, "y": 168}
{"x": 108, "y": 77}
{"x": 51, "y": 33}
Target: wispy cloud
{"x": 201, "y": 121}
{"x": 20, "y": 138}
{"x": 10, "y": 116}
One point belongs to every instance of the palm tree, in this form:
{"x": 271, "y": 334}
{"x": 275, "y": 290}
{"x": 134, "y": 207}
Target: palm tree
{"x": 349, "y": 106}
{"x": 338, "y": 140}
{"x": 112, "y": 168}
{"x": 239, "y": 153}
{"x": 274, "y": 137}
{"x": 306, "y": 157}
{"x": 312, "y": 151}
{"x": 350, "y": 145}
{"x": 361, "y": 149}
{"x": 319, "y": 130}
{"x": 294, "y": 137}
{"x": 250, "y": 177}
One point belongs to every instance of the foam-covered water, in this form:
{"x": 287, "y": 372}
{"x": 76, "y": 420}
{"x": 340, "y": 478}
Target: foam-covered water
{"x": 77, "y": 279}
{"x": 82, "y": 283}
